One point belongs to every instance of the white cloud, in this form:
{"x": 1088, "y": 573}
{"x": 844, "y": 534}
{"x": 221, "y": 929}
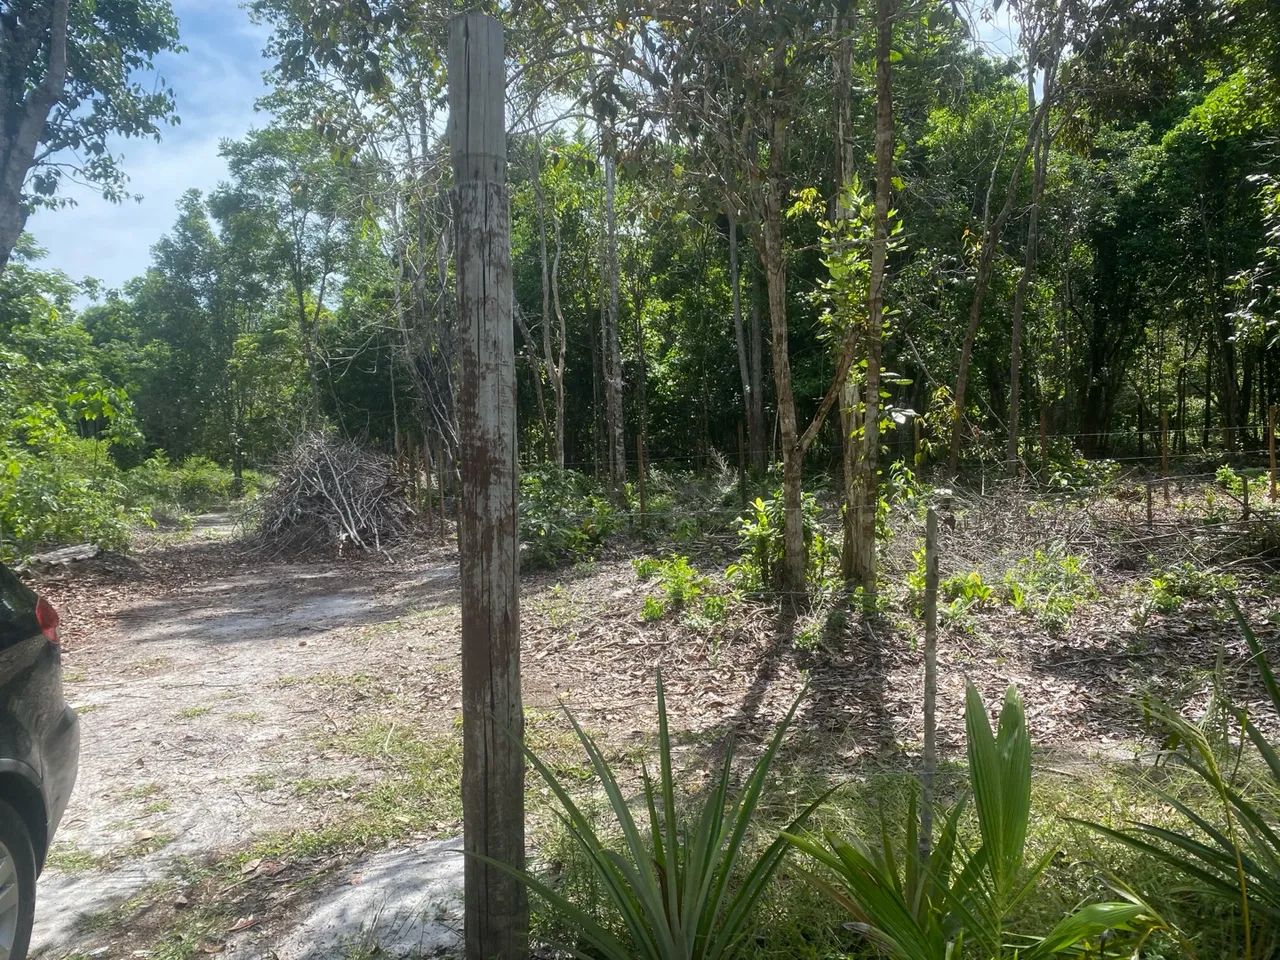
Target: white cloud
{"x": 216, "y": 82}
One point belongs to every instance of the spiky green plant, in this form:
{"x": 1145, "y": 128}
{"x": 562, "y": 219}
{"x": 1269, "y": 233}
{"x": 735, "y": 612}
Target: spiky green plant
{"x": 680, "y": 887}
{"x": 945, "y": 901}
{"x": 1233, "y": 853}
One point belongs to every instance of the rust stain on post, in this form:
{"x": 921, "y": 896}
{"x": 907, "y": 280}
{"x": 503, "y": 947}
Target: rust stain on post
{"x": 497, "y": 918}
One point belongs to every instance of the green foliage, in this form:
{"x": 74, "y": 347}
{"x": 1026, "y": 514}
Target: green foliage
{"x": 966, "y": 590}
{"x": 1049, "y": 585}
{"x": 107, "y": 95}
{"x": 682, "y": 589}
{"x": 197, "y": 484}
{"x": 1227, "y": 848}
{"x": 1068, "y": 469}
{"x": 901, "y": 485}
{"x": 1169, "y": 587}
{"x": 61, "y": 423}
{"x": 563, "y": 518}
{"x": 677, "y": 884}
{"x": 950, "y": 901}
{"x": 760, "y": 538}
{"x": 70, "y": 492}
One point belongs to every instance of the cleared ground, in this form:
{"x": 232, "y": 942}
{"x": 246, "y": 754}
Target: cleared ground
{"x": 254, "y": 732}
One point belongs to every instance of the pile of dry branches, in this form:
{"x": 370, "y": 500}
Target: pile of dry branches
{"x": 334, "y": 495}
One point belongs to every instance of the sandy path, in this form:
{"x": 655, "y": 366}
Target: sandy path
{"x": 194, "y": 702}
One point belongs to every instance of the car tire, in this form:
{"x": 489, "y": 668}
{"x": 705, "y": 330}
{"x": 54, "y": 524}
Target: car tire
{"x": 17, "y": 885}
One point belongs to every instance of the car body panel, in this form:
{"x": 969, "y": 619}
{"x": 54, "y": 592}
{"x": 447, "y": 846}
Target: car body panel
{"x": 39, "y": 732}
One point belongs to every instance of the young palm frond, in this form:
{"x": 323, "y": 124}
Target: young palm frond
{"x": 952, "y": 902}
{"x": 1235, "y": 858}
{"x": 684, "y": 885}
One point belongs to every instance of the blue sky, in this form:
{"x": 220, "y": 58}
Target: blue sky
{"x": 216, "y": 82}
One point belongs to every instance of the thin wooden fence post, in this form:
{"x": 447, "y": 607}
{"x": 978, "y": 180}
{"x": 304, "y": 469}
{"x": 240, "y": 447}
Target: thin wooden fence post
{"x": 1271, "y": 445}
{"x": 496, "y": 911}
{"x": 915, "y": 439}
{"x": 1044, "y": 438}
{"x": 1150, "y": 508}
{"x": 930, "y": 758}
{"x": 1244, "y": 500}
{"x": 1164, "y": 452}
{"x": 640, "y": 472}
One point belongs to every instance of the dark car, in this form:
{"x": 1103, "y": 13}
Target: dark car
{"x": 39, "y": 752}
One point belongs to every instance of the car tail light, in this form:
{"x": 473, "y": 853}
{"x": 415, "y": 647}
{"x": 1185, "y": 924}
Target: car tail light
{"x": 47, "y": 618}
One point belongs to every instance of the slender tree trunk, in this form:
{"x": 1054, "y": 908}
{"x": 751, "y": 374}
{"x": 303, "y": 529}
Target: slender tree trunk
{"x": 993, "y": 231}
{"x": 792, "y": 575}
{"x": 866, "y": 476}
{"x": 753, "y": 409}
{"x": 552, "y": 366}
{"x": 610, "y": 339}
{"x": 642, "y": 374}
{"x": 850, "y": 419}
{"x": 557, "y": 365}
{"x": 497, "y": 911}
{"x": 1041, "y": 162}
{"x": 759, "y": 442}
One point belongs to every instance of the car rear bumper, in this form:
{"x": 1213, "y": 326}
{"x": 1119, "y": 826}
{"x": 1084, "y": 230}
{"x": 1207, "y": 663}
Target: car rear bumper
{"x": 61, "y": 755}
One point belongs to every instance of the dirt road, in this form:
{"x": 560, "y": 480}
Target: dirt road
{"x": 205, "y": 696}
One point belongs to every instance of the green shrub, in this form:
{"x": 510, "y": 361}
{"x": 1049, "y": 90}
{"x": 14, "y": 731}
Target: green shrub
{"x": 1169, "y": 587}
{"x": 563, "y": 518}
{"x": 682, "y": 587}
{"x": 70, "y": 493}
{"x": 760, "y": 538}
{"x": 196, "y": 485}
{"x": 1049, "y": 585}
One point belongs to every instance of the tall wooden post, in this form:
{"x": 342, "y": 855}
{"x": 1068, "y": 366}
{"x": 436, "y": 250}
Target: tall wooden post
{"x": 1271, "y": 445}
{"x": 1044, "y": 439}
{"x": 497, "y": 911}
{"x": 1164, "y": 452}
{"x": 930, "y": 764}
{"x": 640, "y": 472}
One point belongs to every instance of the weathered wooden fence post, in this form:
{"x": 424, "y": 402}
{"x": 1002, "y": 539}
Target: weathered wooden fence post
{"x": 1164, "y": 452}
{"x": 930, "y": 758}
{"x": 640, "y": 472}
{"x": 1271, "y": 446}
{"x": 497, "y": 912}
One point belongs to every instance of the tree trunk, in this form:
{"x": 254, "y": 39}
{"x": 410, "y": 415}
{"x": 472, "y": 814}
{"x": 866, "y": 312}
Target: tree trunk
{"x": 18, "y": 145}
{"x": 792, "y": 575}
{"x": 993, "y": 230}
{"x": 557, "y": 367}
{"x": 496, "y": 906}
{"x": 753, "y": 409}
{"x": 867, "y": 497}
{"x": 610, "y": 338}
{"x": 759, "y": 442}
{"x": 1041, "y": 162}
{"x": 850, "y": 415}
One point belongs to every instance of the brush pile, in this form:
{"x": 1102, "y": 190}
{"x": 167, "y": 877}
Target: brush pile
{"x": 333, "y": 495}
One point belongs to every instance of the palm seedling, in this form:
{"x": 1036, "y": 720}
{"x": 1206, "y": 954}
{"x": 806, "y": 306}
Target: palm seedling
{"x": 685, "y": 884}
{"x": 946, "y": 900}
{"x": 1233, "y": 854}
